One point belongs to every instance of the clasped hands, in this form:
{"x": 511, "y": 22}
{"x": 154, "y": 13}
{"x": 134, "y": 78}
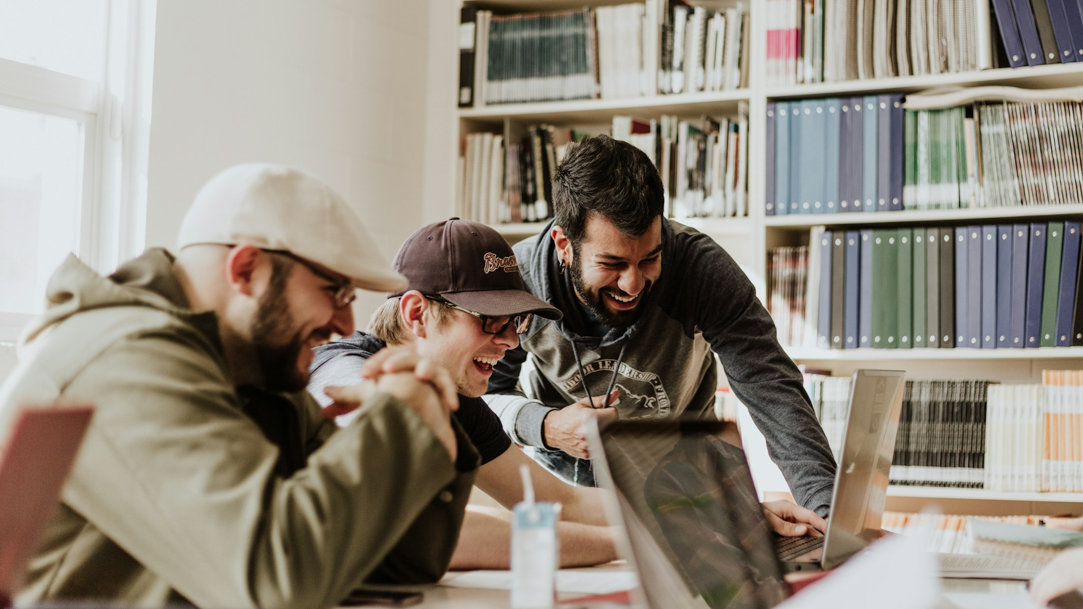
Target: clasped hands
{"x": 426, "y": 386}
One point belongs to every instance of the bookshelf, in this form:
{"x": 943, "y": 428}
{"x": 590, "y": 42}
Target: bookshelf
{"x": 749, "y": 238}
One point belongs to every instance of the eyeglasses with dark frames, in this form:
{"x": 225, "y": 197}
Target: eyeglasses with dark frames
{"x": 490, "y": 324}
{"x": 345, "y": 291}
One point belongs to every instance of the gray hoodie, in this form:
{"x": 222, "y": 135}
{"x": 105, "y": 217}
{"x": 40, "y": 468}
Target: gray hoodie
{"x": 701, "y": 305}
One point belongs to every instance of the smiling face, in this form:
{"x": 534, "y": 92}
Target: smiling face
{"x": 456, "y": 340}
{"x": 296, "y": 313}
{"x": 611, "y": 272}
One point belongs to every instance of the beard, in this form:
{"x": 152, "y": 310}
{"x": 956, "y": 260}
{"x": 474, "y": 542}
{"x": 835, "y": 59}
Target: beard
{"x": 277, "y": 361}
{"x": 593, "y": 298}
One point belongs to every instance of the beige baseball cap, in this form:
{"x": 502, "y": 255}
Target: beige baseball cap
{"x": 275, "y": 207}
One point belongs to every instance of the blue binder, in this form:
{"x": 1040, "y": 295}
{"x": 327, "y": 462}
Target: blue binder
{"x": 796, "y": 144}
{"x": 962, "y": 307}
{"x": 1035, "y": 275}
{"x": 1005, "y": 242}
{"x": 782, "y": 158}
{"x": 769, "y": 161}
{"x": 1074, "y": 12}
{"x": 831, "y": 155}
{"x": 973, "y": 287}
{"x": 823, "y": 305}
{"x": 1066, "y": 295}
{"x": 850, "y": 286}
{"x": 989, "y": 287}
{"x": 1020, "y": 250}
{"x": 812, "y": 176}
{"x": 850, "y": 154}
{"x": 1009, "y": 33}
{"x": 1062, "y": 32}
{"x": 1028, "y": 32}
{"x": 870, "y": 149}
{"x": 864, "y": 305}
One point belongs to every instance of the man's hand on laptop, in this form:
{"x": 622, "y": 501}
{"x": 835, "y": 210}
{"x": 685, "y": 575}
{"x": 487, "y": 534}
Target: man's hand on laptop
{"x": 789, "y": 519}
{"x": 564, "y": 429}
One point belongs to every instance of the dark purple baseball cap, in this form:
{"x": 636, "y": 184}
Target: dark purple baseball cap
{"x": 468, "y": 264}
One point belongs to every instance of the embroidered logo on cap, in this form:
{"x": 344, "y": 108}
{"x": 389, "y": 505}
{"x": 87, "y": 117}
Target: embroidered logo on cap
{"x": 494, "y": 263}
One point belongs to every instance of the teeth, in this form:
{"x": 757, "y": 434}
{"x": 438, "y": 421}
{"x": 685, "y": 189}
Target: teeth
{"x": 487, "y": 360}
{"x": 620, "y": 298}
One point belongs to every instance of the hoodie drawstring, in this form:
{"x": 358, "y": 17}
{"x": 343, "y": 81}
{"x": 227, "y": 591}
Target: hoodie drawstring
{"x": 608, "y": 391}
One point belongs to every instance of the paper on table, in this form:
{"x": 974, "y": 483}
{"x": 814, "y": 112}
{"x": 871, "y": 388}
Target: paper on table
{"x": 581, "y": 581}
{"x": 1023, "y": 533}
{"x": 894, "y": 573}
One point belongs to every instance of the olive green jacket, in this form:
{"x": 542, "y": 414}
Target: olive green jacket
{"x": 176, "y": 493}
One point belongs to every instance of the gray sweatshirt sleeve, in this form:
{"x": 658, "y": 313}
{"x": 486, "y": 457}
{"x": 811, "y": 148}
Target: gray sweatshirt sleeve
{"x": 521, "y": 417}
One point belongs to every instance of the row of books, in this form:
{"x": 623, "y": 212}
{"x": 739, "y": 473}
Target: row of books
{"x": 703, "y": 162}
{"x": 810, "y": 41}
{"x": 975, "y": 433}
{"x": 834, "y": 155}
{"x": 502, "y": 181}
{"x": 981, "y": 286}
{"x": 627, "y": 50}
{"x": 1038, "y": 32}
{"x": 870, "y": 154}
{"x": 1034, "y": 434}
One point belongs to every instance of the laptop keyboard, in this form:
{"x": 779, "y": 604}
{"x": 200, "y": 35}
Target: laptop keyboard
{"x": 788, "y": 548}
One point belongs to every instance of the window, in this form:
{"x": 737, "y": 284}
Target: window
{"x": 74, "y": 118}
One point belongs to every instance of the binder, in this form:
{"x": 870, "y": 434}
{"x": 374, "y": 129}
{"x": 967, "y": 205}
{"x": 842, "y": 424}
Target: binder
{"x": 1069, "y": 269}
{"x": 918, "y": 288}
{"x": 823, "y": 308}
{"x": 1062, "y": 31}
{"x": 1035, "y": 276}
{"x": 895, "y": 152}
{"x": 812, "y": 161}
{"x": 850, "y": 286}
{"x": 904, "y": 325}
{"x": 1028, "y": 33}
{"x": 1074, "y": 16}
{"x": 973, "y": 286}
{"x": 989, "y": 286}
{"x": 832, "y": 121}
{"x": 838, "y": 278}
{"x": 1046, "y": 35}
{"x": 962, "y": 308}
{"x": 1009, "y": 33}
{"x": 468, "y": 18}
{"x": 1017, "y": 328}
{"x": 850, "y": 154}
{"x": 885, "y": 253}
{"x": 864, "y": 305}
{"x": 796, "y": 143}
{"x": 782, "y": 158}
{"x": 1005, "y": 242}
{"x": 947, "y": 289}
{"x": 883, "y": 177}
{"x": 932, "y": 286}
{"x": 870, "y": 151}
{"x": 769, "y": 161}
{"x": 1054, "y": 245}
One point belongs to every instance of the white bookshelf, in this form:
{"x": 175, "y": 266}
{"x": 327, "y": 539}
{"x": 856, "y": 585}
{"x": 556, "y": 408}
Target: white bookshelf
{"x": 748, "y": 238}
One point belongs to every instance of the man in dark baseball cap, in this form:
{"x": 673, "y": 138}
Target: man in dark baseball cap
{"x": 465, "y": 306}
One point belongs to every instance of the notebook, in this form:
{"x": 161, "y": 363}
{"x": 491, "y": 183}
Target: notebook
{"x": 861, "y": 480}
{"x": 34, "y": 463}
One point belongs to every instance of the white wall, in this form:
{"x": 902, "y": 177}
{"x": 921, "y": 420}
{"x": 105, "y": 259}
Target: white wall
{"x": 339, "y": 88}
{"x": 335, "y": 87}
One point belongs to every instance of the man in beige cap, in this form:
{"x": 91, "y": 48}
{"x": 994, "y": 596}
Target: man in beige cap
{"x": 208, "y": 473}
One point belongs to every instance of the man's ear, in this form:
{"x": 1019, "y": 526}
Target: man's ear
{"x": 563, "y": 245}
{"x": 412, "y": 308}
{"x": 246, "y": 267}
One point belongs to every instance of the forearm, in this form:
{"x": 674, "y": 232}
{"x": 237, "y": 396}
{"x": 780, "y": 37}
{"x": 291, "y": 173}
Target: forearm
{"x": 520, "y": 416}
{"x": 485, "y": 542}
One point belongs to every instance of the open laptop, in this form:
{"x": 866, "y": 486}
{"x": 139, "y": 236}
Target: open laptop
{"x": 861, "y": 480}
{"x": 34, "y": 463}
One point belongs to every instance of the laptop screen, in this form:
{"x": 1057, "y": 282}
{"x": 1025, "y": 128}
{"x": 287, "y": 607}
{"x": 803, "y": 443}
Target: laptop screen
{"x": 697, "y": 532}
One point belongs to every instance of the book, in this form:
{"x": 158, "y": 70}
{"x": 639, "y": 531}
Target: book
{"x": 1054, "y": 244}
{"x": 468, "y": 18}
{"x": 1026, "y": 534}
{"x": 1066, "y": 295}
{"x": 1035, "y": 274}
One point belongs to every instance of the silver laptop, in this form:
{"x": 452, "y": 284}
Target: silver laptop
{"x": 696, "y": 535}
{"x": 861, "y": 481}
